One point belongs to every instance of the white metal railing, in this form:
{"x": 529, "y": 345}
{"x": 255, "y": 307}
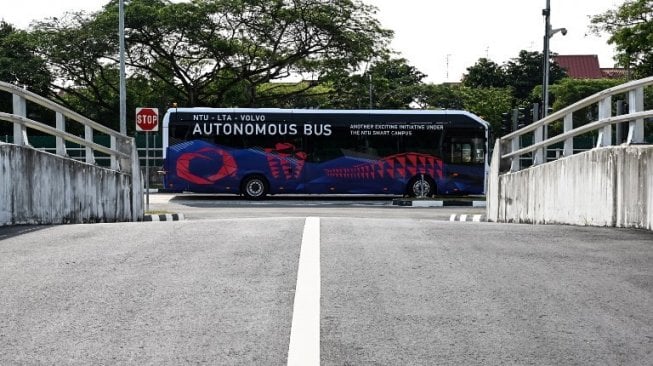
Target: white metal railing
{"x": 510, "y": 145}
{"x": 154, "y": 158}
{"x": 122, "y": 149}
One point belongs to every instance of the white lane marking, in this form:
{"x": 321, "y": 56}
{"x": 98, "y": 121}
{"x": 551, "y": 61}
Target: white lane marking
{"x": 477, "y": 218}
{"x": 304, "y": 348}
{"x": 452, "y": 217}
{"x": 463, "y": 217}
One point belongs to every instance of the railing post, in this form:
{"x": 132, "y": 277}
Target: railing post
{"x": 61, "y": 126}
{"x": 88, "y": 136}
{"x": 605, "y": 111}
{"x": 538, "y": 134}
{"x": 569, "y": 143}
{"x": 515, "y": 164}
{"x": 636, "y": 104}
{"x": 20, "y": 109}
{"x": 113, "y": 145}
{"x": 124, "y": 145}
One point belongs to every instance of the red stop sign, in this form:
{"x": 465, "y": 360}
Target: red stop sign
{"x": 147, "y": 119}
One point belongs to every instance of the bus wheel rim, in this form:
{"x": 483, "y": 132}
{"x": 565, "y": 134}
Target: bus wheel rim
{"x": 254, "y": 188}
{"x": 421, "y": 188}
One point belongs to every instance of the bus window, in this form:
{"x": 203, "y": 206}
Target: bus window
{"x": 467, "y": 151}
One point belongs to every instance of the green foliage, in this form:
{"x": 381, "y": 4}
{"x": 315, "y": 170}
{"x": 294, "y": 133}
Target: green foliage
{"x": 522, "y": 74}
{"x": 205, "y": 52}
{"x": 389, "y": 83}
{"x": 303, "y": 94}
{"x": 485, "y": 74}
{"x": 442, "y": 96}
{"x": 239, "y": 53}
{"x": 17, "y": 63}
{"x": 525, "y": 73}
{"x": 569, "y": 91}
{"x": 487, "y": 103}
{"x": 630, "y": 27}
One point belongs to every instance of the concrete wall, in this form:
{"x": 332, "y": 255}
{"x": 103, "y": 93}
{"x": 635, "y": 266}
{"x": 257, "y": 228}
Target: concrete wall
{"x": 611, "y": 186}
{"x": 42, "y": 188}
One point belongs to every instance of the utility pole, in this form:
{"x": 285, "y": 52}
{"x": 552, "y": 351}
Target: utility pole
{"x": 545, "y": 80}
{"x": 123, "y": 85}
{"x": 548, "y": 33}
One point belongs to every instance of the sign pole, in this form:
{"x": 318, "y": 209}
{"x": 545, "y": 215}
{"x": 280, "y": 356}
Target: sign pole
{"x": 147, "y": 120}
{"x": 147, "y": 170}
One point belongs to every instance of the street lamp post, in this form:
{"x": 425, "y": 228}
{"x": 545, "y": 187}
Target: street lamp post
{"x": 123, "y": 87}
{"x": 548, "y": 33}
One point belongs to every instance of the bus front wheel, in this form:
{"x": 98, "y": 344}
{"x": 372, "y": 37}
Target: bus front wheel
{"x": 421, "y": 186}
{"x": 254, "y": 187}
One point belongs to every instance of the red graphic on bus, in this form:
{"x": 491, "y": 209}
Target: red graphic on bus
{"x": 228, "y": 168}
{"x": 404, "y": 165}
{"x": 281, "y": 159}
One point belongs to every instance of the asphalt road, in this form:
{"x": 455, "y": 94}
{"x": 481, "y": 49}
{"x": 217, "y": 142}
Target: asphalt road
{"x": 411, "y": 290}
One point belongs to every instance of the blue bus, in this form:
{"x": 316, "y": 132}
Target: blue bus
{"x": 256, "y": 152}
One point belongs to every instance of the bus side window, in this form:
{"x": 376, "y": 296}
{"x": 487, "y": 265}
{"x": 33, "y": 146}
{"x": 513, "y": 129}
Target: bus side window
{"x": 467, "y": 151}
{"x": 461, "y": 152}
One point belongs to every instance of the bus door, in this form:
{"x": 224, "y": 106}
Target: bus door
{"x": 465, "y": 168}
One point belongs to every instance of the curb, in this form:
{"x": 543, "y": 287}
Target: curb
{"x": 436, "y": 203}
{"x": 474, "y": 218}
{"x": 166, "y": 217}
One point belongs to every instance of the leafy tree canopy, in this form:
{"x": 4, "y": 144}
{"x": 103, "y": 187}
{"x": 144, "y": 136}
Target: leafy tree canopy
{"x": 522, "y": 74}
{"x": 630, "y": 27}
{"x": 485, "y": 74}
{"x": 212, "y": 52}
{"x": 18, "y": 65}
{"x": 388, "y": 83}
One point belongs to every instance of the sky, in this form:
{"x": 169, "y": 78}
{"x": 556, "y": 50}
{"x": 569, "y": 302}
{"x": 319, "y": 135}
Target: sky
{"x": 441, "y": 38}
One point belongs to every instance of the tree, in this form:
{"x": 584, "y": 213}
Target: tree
{"x": 488, "y": 103}
{"x": 522, "y": 74}
{"x": 441, "y": 96}
{"x": 485, "y": 74}
{"x": 569, "y": 91}
{"x": 525, "y": 73}
{"x": 389, "y": 83}
{"x": 18, "y": 64}
{"x": 208, "y": 51}
{"x": 630, "y": 27}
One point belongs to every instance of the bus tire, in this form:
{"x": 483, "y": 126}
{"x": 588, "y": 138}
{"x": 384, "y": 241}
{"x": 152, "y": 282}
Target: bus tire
{"x": 418, "y": 187}
{"x": 254, "y": 187}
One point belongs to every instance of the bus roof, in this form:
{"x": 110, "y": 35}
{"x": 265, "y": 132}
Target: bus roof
{"x": 331, "y": 111}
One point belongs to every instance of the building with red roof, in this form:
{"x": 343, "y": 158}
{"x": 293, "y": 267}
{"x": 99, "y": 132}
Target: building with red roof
{"x": 587, "y": 67}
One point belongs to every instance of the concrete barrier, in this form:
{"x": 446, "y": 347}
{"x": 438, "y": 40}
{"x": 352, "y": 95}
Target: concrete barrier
{"x": 42, "y": 188}
{"x": 611, "y": 186}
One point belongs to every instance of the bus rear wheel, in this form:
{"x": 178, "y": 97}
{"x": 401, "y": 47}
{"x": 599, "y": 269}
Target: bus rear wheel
{"x": 254, "y": 187}
{"x": 421, "y": 186}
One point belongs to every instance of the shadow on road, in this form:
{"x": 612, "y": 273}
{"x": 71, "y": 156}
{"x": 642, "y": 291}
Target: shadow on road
{"x": 7, "y": 232}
